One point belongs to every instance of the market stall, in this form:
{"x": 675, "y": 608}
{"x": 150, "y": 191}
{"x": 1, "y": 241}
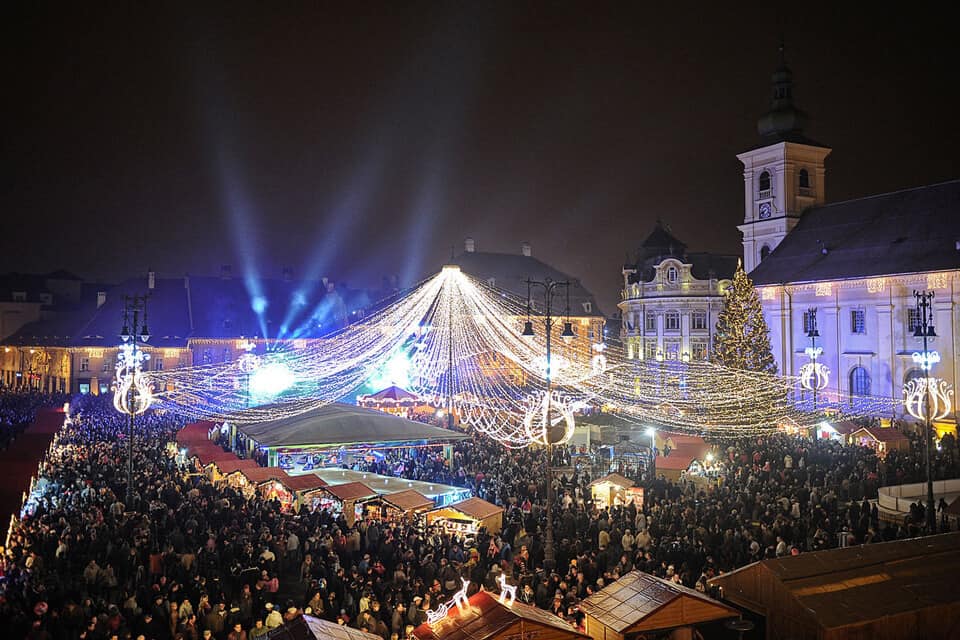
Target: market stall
{"x": 400, "y": 506}
{"x": 218, "y": 470}
{"x": 305, "y": 489}
{"x": 248, "y": 480}
{"x": 349, "y": 498}
{"x": 881, "y": 440}
{"x": 610, "y": 490}
{"x": 468, "y": 516}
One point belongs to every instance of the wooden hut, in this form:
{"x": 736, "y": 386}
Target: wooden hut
{"x": 468, "y": 516}
{"x": 348, "y": 495}
{"x": 610, "y": 489}
{"x": 880, "y": 439}
{"x": 403, "y": 505}
{"x": 639, "y": 604}
{"x": 885, "y": 591}
{"x": 248, "y": 480}
{"x": 485, "y": 617}
{"x": 218, "y": 470}
{"x": 304, "y": 488}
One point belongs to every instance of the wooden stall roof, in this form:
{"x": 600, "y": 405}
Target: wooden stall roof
{"x": 641, "y": 602}
{"x": 679, "y": 459}
{"x": 841, "y": 587}
{"x": 214, "y": 454}
{"x": 409, "y": 500}
{"x": 487, "y": 617}
{"x": 614, "y": 478}
{"x": 351, "y": 491}
{"x": 306, "y": 627}
{"x": 882, "y": 435}
{"x": 846, "y": 427}
{"x": 262, "y": 474}
{"x": 476, "y": 508}
{"x": 235, "y": 464}
{"x": 306, "y": 482}
{"x": 194, "y": 432}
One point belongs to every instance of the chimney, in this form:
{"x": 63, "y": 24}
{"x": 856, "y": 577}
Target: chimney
{"x": 288, "y": 274}
{"x": 226, "y": 271}
{"x": 151, "y": 280}
{"x": 324, "y": 281}
{"x": 101, "y": 298}
{"x": 469, "y": 245}
{"x": 525, "y": 249}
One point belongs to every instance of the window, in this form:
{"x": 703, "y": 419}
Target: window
{"x": 764, "y": 252}
{"x": 207, "y": 356}
{"x": 588, "y": 307}
{"x": 107, "y": 365}
{"x": 671, "y": 321}
{"x": 19, "y": 296}
{"x": 860, "y": 382}
{"x": 809, "y": 321}
{"x": 651, "y": 324}
{"x": 763, "y": 184}
{"x": 672, "y": 275}
{"x": 671, "y": 349}
{"x": 158, "y": 364}
{"x": 698, "y": 350}
{"x": 857, "y": 321}
{"x": 85, "y": 388}
{"x": 84, "y": 364}
{"x": 226, "y": 355}
{"x": 913, "y": 319}
{"x": 698, "y": 320}
{"x": 650, "y": 350}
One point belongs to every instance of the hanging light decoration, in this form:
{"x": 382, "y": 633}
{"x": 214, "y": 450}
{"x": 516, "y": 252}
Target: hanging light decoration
{"x": 921, "y": 392}
{"x": 132, "y": 389}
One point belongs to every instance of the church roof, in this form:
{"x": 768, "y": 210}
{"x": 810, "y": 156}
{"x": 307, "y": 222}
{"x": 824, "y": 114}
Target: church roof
{"x": 909, "y": 231}
{"x": 510, "y": 272}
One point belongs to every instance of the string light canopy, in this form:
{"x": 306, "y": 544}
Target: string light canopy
{"x": 472, "y": 350}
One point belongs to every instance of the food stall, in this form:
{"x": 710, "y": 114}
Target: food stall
{"x": 609, "y": 490}
{"x": 349, "y": 499}
{"x": 218, "y": 470}
{"x": 881, "y": 440}
{"x": 306, "y": 489}
{"x": 248, "y": 480}
{"x": 468, "y": 516}
{"x": 399, "y": 506}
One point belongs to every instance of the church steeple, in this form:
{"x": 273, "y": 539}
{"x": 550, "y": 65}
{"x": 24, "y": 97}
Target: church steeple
{"x": 784, "y": 120}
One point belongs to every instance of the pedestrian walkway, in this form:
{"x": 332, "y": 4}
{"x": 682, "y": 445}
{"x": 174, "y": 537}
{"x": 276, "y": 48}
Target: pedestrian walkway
{"x": 20, "y": 460}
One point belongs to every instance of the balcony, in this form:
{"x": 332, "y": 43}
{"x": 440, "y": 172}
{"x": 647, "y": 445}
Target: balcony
{"x": 765, "y": 194}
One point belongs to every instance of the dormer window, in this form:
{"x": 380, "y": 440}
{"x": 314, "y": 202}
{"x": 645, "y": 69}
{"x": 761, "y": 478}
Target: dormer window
{"x": 588, "y": 307}
{"x": 763, "y": 184}
{"x": 672, "y": 275}
{"x": 19, "y": 296}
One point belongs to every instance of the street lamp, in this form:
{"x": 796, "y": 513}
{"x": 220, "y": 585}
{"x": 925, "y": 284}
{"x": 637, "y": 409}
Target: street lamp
{"x": 133, "y": 392}
{"x": 551, "y": 436}
{"x": 814, "y": 352}
{"x": 924, "y": 329}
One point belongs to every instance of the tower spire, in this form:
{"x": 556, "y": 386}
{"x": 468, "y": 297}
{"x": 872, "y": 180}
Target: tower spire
{"x": 784, "y": 118}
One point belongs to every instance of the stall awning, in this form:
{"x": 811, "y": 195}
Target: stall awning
{"x": 476, "y": 508}
{"x": 229, "y": 466}
{"x": 408, "y": 500}
{"x": 262, "y": 474}
{"x": 343, "y": 424}
{"x": 306, "y": 482}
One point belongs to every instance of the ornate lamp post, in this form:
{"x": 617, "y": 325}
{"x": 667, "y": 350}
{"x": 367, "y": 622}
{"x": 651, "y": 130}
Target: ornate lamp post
{"x": 133, "y": 391}
{"x": 927, "y": 396}
{"x": 550, "y": 436}
{"x": 813, "y": 375}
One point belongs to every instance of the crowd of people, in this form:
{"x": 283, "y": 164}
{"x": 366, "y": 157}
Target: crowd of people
{"x": 18, "y": 409}
{"x": 186, "y": 558}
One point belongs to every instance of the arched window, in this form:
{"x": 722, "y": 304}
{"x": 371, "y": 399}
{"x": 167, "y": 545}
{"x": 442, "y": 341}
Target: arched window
{"x": 672, "y": 274}
{"x": 860, "y": 382}
{"x": 764, "y": 182}
{"x": 764, "y": 252}
{"x": 804, "y": 179}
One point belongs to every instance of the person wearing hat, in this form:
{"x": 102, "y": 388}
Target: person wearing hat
{"x": 274, "y": 619}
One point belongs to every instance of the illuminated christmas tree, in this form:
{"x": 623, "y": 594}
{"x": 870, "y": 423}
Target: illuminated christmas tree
{"x": 742, "y": 338}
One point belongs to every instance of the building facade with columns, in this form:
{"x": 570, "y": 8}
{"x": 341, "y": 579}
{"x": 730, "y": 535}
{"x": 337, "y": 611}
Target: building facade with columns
{"x": 670, "y": 299}
{"x": 848, "y": 269}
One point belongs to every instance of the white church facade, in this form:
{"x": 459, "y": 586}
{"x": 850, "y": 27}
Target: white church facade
{"x": 849, "y": 267}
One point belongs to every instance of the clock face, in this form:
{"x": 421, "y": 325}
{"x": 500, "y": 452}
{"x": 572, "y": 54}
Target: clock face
{"x": 765, "y": 210}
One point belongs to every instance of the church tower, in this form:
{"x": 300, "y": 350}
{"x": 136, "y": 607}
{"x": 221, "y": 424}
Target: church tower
{"x": 782, "y": 176}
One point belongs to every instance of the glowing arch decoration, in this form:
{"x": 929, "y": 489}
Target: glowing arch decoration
{"x": 549, "y": 414}
{"x": 460, "y": 341}
{"x": 132, "y": 389}
{"x": 923, "y": 396}
{"x": 814, "y": 375}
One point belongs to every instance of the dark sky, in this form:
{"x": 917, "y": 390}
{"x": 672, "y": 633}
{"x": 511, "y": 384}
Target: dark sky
{"x": 368, "y": 139}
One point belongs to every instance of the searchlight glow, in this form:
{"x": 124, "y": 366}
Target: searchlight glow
{"x": 271, "y": 379}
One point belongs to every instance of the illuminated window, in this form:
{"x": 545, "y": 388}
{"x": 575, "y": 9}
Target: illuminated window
{"x": 860, "y": 382}
{"x": 158, "y": 364}
{"x": 764, "y": 184}
{"x": 809, "y": 321}
{"x": 107, "y": 365}
{"x": 588, "y": 307}
{"x": 698, "y": 350}
{"x": 671, "y": 321}
{"x": 672, "y": 275}
{"x": 207, "y": 356}
{"x": 698, "y": 320}
{"x": 84, "y": 364}
{"x": 857, "y": 321}
{"x": 650, "y": 350}
{"x": 651, "y": 322}
{"x": 913, "y": 319}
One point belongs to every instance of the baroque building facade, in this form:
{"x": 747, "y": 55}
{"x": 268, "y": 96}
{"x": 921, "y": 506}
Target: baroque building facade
{"x": 670, "y": 299}
{"x": 847, "y": 269}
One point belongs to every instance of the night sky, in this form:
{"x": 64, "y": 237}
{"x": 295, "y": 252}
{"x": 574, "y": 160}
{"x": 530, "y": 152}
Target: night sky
{"x": 364, "y": 141}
